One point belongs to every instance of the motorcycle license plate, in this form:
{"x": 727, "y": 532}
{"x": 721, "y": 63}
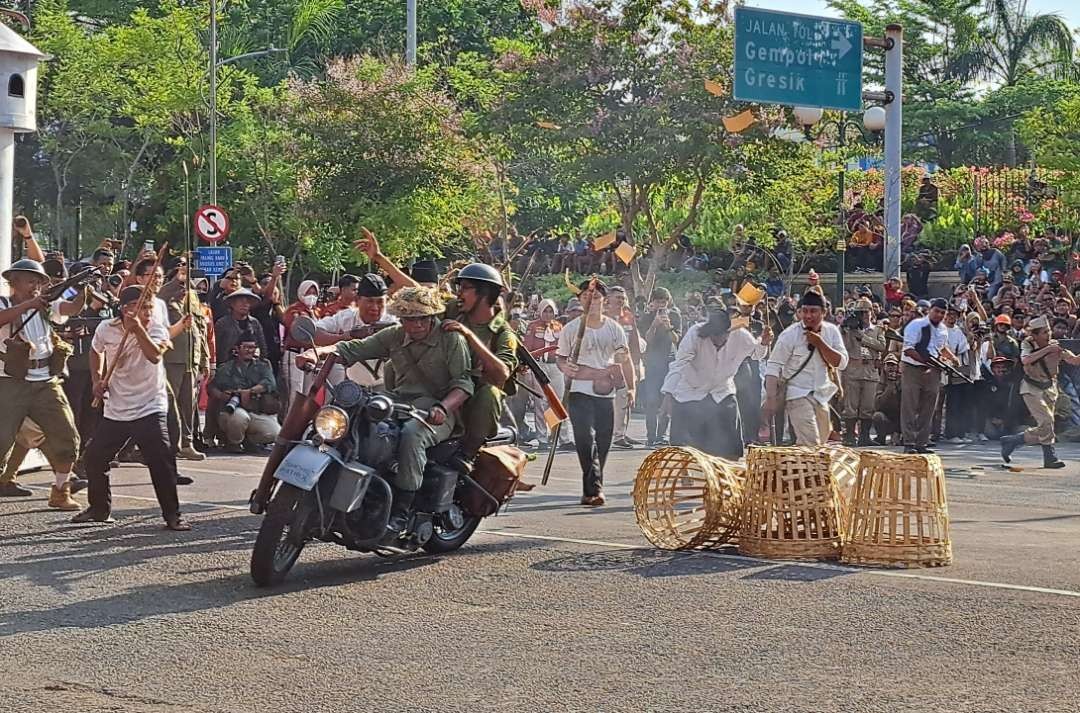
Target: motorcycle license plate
{"x": 303, "y": 467}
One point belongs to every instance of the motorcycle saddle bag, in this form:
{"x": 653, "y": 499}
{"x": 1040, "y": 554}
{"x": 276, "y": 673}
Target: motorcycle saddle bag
{"x": 498, "y": 470}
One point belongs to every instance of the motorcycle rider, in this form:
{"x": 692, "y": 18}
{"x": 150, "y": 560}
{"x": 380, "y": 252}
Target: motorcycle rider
{"x": 476, "y": 315}
{"x": 432, "y": 370}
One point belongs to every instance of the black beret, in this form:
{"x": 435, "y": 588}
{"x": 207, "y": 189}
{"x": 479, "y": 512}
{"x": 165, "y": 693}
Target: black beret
{"x": 130, "y": 294}
{"x": 425, "y": 271}
{"x": 812, "y": 298}
{"x": 371, "y": 285}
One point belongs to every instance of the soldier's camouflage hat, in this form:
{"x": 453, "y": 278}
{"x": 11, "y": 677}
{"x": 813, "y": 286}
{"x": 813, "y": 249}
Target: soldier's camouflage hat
{"x": 415, "y": 302}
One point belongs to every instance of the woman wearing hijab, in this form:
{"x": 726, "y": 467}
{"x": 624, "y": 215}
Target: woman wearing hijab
{"x": 307, "y": 297}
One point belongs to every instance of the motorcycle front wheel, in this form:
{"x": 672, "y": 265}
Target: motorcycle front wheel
{"x": 445, "y": 539}
{"x": 278, "y": 544}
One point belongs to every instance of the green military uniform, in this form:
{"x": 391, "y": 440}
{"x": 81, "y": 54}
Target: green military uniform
{"x": 188, "y": 357}
{"x": 425, "y": 371}
{"x": 482, "y": 412}
{"x": 235, "y": 375}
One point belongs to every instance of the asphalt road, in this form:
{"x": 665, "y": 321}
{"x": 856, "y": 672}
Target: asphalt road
{"x": 552, "y": 607}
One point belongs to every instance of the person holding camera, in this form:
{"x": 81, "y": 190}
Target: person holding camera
{"x": 865, "y": 344}
{"x": 246, "y": 389}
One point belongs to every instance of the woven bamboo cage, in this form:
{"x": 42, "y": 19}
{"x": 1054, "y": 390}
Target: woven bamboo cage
{"x": 791, "y": 507}
{"x": 685, "y": 499}
{"x": 898, "y": 515}
{"x": 844, "y": 466}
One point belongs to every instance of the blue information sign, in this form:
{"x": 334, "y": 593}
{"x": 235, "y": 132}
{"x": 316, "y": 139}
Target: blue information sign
{"x": 214, "y": 261}
{"x": 797, "y": 60}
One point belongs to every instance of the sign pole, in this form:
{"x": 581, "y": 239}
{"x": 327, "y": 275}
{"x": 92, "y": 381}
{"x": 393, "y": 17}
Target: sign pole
{"x": 894, "y": 35}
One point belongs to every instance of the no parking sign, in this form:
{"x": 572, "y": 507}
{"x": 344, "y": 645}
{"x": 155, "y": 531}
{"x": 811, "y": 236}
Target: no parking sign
{"x": 211, "y": 224}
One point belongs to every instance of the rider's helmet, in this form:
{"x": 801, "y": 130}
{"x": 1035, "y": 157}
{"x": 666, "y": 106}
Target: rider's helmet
{"x": 26, "y": 266}
{"x": 411, "y": 302}
{"x": 484, "y": 278}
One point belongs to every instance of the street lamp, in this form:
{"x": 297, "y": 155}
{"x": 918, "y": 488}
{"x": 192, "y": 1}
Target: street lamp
{"x": 873, "y": 123}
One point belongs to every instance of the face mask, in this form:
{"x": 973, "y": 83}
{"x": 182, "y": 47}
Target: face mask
{"x": 310, "y": 300}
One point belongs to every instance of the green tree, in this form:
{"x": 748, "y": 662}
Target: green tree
{"x": 615, "y": 98}
{"x": 379, "y": 145}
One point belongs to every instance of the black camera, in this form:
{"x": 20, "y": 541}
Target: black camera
{"x": 115, "y": 280}
{"x": 853, "y": 321}
{"x": 231, "y": 405}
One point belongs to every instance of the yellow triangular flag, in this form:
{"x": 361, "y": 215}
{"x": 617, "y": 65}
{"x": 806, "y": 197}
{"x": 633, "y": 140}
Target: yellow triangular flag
{"x": 626, "y": 252}
{"x": 547, "y": 125}
{"x": 740, "y": 122}
{"x": 551, "y": 419}
{"x": 713, "y": 88}
{"x": 603, "y": 241}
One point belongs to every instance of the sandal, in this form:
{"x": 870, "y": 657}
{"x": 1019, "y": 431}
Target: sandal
{"x": 177, "y": 524}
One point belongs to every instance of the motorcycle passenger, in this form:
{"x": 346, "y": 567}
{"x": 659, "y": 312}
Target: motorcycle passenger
{"x": 475, "y": 314}
{"x": 432, "y": 369}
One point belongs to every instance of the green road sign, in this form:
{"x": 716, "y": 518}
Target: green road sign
{"x": 798, "y": 60}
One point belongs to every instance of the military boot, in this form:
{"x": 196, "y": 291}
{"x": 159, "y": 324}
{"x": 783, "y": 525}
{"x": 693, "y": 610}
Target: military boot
{"x": 849, "y": 431}
{"x": 1010, "y": 444}
{"x": 865, "y": 425}
{"x": 1050, "y": 459}
{"x": 60, "y": 498}
{"x": 399, "y": 514}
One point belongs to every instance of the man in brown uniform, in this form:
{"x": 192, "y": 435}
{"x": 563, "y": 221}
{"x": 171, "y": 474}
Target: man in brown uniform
{"x": 1040, "y": 357}
{"x": 865, "y": 343}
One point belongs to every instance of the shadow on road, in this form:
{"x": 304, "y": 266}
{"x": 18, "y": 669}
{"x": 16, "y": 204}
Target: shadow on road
{"x": 797, "y": 573}
{"x": 105, "y": 549}
{"x": 643, "y": 562}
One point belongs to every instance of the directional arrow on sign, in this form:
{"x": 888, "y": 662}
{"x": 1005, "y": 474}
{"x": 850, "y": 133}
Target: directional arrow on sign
{"x": 841, "y": 44}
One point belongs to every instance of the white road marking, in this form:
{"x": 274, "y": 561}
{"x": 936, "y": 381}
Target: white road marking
{"x": 705, "y": 553}
{"x": 812, "y": 565}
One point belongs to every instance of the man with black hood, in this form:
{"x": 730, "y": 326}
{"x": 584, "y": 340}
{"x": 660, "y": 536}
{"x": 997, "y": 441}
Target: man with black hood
{"x": 699, "y": 389}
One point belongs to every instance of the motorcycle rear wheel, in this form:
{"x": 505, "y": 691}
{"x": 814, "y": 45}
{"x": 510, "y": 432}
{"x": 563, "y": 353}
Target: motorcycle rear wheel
{"x": 275, "y": 552}
{"x": 443, "y": 540}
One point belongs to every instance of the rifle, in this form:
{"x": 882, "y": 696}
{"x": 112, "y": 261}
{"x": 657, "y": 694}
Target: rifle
{"x": 892, "y": 335}
{"x": 80, "y": 279}
{"x": 553, "y": 401}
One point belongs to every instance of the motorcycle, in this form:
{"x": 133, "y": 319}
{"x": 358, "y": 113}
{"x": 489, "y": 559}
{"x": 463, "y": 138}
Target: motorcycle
{"x": 326, "y": 479}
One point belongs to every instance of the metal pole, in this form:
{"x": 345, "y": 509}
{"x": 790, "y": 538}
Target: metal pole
{"x": 213, "y": 101}
{"x": 841, "y": 258}
{"x": 893, "y": 125}
{"x": 7, "y": 192}
{"x": 410, "y": 33}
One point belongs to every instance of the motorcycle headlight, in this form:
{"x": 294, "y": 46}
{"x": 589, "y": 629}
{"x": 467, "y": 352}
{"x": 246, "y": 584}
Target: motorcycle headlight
{"x": 331, "y": 423}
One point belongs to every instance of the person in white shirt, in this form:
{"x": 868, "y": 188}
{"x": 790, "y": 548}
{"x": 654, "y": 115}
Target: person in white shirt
{"x": 798, "y": 371}
{"x": 604, "y": 354}
{"x": 29, "y": 377}
{"x": 920, "y": 383}
{"x": 699, "y": 389}
{"x": 956, "y": 390}
{"x": 136, "y": 403}
{"x": 356, "y": 322}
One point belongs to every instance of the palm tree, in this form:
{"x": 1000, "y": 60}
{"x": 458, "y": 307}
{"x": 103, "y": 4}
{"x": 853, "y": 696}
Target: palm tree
{"x": 1019, "y": 45}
